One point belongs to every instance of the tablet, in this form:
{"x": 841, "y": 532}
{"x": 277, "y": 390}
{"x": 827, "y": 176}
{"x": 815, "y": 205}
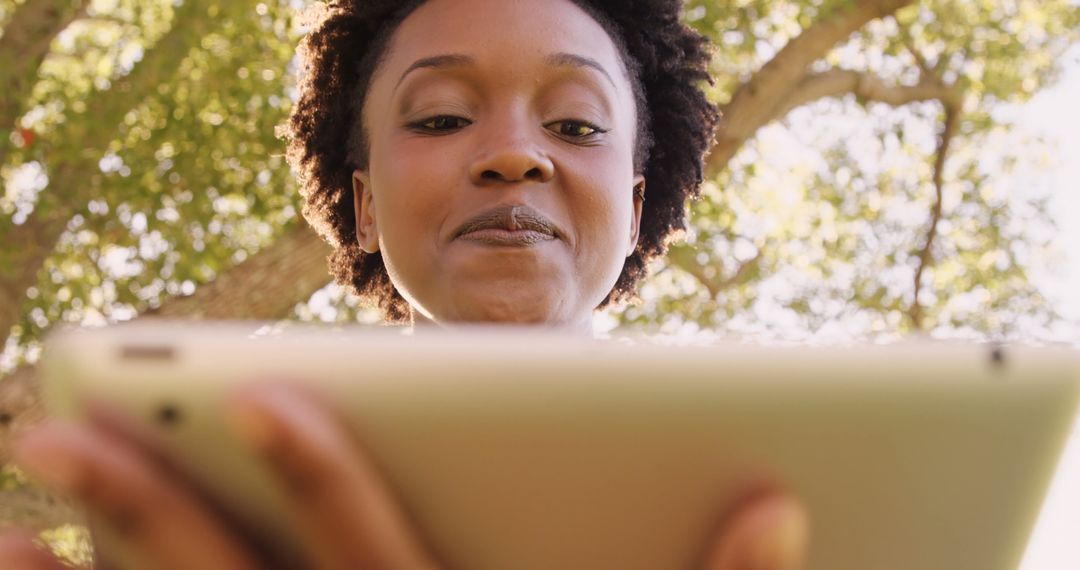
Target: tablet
{"x": 535, "y": 450}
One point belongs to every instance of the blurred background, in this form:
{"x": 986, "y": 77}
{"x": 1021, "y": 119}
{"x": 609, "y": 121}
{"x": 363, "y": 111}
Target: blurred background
{"x": 885, "y": 168}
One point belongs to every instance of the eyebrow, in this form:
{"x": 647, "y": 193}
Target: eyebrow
{"x": 580, "y": 61}
{"x": 439, "y": 61}
{"x": 457, "y": 60}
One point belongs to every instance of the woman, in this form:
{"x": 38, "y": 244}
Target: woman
{"x": 469, "y": 160}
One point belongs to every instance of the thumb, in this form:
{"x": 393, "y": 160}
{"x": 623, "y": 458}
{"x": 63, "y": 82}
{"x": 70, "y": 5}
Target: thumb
{"x": 770, "y": 532}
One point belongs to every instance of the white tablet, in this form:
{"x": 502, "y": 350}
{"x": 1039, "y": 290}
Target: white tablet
{"x": 533, "y": 450}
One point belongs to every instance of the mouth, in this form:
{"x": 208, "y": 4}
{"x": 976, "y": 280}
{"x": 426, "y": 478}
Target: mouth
{"x": 509, "y": 226}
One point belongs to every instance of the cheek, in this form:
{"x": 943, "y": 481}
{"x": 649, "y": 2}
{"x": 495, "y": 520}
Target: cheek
{"x": 413, "y": 195}
{"x": 419, "y": 178}
{"x": 601, "y": 206}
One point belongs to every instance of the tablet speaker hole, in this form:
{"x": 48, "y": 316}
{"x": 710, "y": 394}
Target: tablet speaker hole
{"x": 147, "y": 353}
{"x": 168, "y": 415}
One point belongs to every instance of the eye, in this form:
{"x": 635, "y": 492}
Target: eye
{"x": 575, "y": 129}
{"x": 442, "y": 124}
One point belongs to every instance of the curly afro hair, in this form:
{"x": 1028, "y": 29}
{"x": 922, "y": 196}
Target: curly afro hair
{"x": 666, "y": 60}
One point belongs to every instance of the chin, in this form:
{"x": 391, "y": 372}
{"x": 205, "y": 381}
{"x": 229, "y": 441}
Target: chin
{"x": 512, "y": 304}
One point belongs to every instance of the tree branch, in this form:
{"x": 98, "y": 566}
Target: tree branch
{"x": 265, "y": 286}
{"x": 684, "y": 257}
{"x": 741, "y": 274}
{"x": 952, "y": 116}
{"x": 755, "y": 102}
{"x": 920, "y": 59}
{"x": 865, "y": 86}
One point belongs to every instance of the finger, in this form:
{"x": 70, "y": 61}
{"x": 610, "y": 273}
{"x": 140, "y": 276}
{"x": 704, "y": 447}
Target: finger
{"x": 768, "y": 532}
{"x": 18, "y": 551}
{"x": 151, "y": 509}
{"x": 347, "y": 512}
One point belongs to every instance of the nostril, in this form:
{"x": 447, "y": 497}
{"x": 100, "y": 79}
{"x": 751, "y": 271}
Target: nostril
{"x": 533, "y": 174}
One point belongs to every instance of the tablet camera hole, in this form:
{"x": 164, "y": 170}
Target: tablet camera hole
{"x": 997, "y": 356}
{"x": 168, "y": 415}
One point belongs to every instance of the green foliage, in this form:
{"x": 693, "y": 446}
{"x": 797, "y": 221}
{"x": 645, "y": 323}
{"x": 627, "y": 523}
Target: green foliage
{"x": 194, "y": 178}
{"x": 11, "y": 478}
{"x": 808, "y": 233}
{"x": 802, "y": 231}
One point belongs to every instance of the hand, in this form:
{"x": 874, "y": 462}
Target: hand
{"x": 347, "y": 516}
{"x": 767, "y": 531}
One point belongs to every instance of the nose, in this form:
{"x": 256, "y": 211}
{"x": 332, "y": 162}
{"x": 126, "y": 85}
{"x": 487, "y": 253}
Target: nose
{"x": 510, "y": 153}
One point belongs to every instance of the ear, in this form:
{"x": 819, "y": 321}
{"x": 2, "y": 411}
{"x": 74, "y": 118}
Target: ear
{"x": 367, "y": 234}
{"x": 635, "y": 223}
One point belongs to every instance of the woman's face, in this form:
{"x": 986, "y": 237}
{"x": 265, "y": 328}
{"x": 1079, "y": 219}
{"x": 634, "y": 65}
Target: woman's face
{"x": 500, "y": 180}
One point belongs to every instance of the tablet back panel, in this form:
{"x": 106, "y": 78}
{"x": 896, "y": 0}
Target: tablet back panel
{"x": 527, "y": 450}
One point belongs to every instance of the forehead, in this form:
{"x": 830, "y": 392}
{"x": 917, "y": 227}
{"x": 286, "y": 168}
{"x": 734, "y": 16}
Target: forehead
{"x": 504, "y": 36}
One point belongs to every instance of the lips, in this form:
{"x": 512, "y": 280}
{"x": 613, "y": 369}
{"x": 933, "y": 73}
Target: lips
{"x": 509, "y": 226}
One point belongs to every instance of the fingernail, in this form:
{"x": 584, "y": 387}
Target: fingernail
{"x": 781, "y": 544}
{"x": 47, "y": 459}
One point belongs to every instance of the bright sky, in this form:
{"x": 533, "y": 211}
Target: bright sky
{"x": 1054, "y": 113}
{"x": 1056, "y": 542}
